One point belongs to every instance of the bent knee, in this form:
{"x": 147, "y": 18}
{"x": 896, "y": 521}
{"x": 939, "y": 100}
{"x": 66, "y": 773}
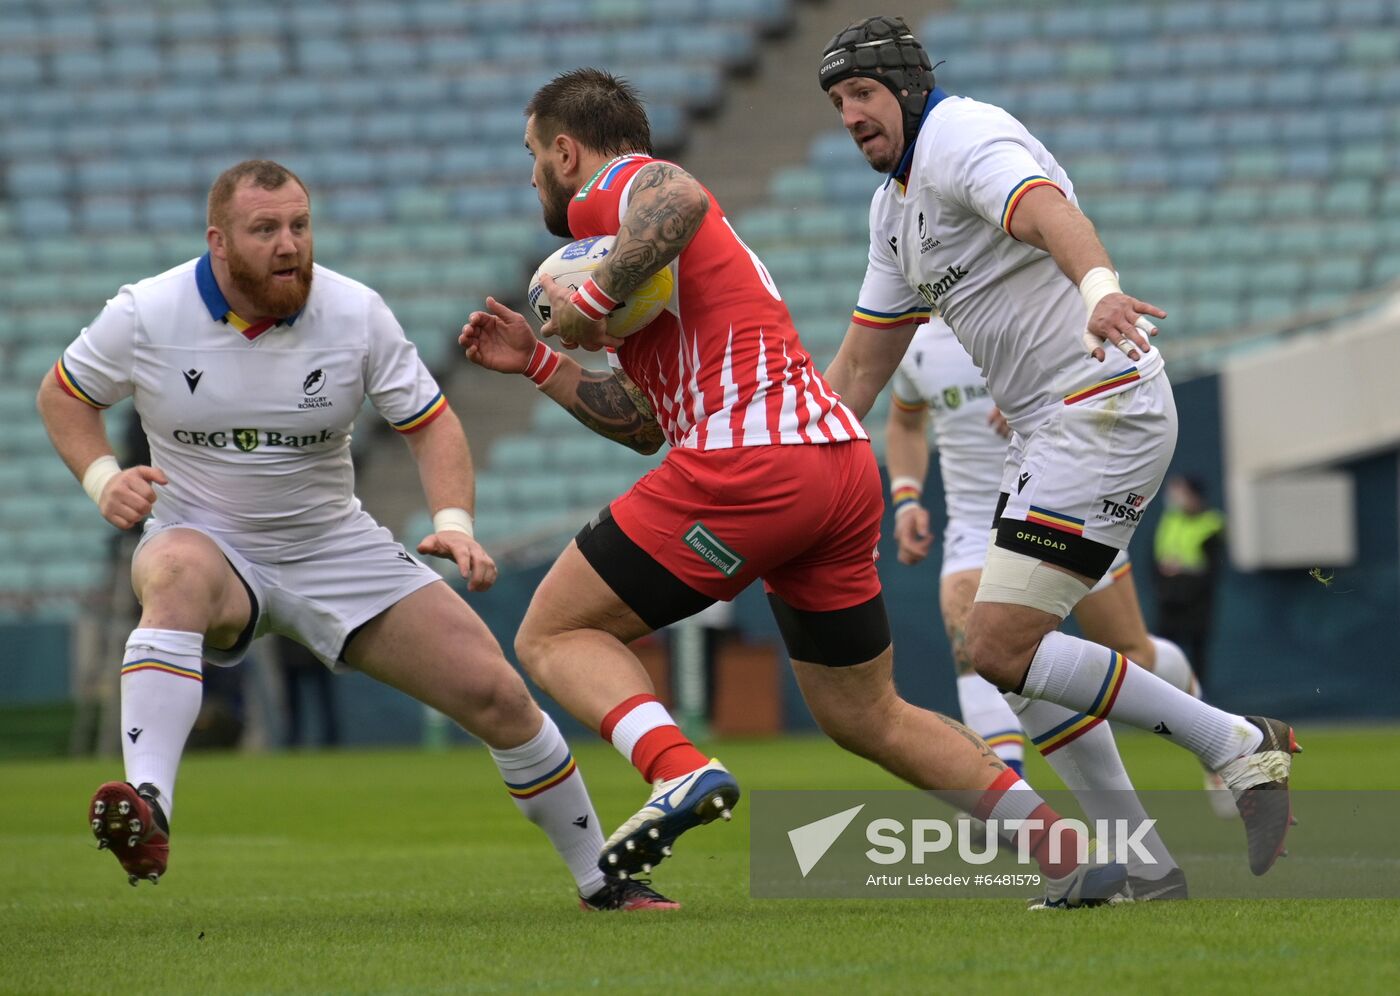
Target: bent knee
{"x": 189, "y": 567}
{"x": 531, "y": 643}
{"x": 999, "y": 653}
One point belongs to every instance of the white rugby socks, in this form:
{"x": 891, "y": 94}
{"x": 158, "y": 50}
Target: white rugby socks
{"x": 1084, "y": 754}
{"x": 1088, "y": 678}
{"x": 548, "y": 788}
{"x": 986, "y": 714}
{"x": 162, "y": 685}
{"x": 1173, "y": 667}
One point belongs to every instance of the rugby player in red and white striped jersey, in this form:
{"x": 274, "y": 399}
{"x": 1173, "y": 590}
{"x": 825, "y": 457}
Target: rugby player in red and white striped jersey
{"x": 768, "y": 477}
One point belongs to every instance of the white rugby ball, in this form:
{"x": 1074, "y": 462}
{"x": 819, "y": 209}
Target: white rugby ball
{"x": 573, "y": 264}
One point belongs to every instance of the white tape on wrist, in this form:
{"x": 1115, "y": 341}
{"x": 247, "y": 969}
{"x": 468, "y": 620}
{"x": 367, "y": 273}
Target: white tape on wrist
{"x": 453, "y": 519}
{"x": 98, "y": 473}
{"x": 1097, "y": 284}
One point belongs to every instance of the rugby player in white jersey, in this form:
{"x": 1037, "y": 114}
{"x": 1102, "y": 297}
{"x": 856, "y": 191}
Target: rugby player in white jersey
{"x": 767, "y": 477}
{"x": 977, "y": 220}
{"x": 247, "y": 367}
{"x": 937, "y": 387}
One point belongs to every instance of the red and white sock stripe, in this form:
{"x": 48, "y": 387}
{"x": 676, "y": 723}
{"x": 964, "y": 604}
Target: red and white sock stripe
{"x": 543, "y": 362}
{"x": 633, "y": 719}
{"x": 593, "y": 301}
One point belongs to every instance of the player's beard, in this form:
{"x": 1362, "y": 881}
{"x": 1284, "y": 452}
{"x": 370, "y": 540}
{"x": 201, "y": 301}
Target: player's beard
{"x": 554, "y": 200}
{"x": 270, "y": 298}
{"x": 883, "y": 162}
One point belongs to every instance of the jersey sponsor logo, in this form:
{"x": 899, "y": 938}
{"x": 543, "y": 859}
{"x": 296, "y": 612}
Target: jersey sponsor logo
{"x": 712, "y": 550}
{"x": 192, "y": 378}
{"x": 953, "y": 397}
{"x": 248, "y": 440}
{"x": 936, "y": 289}
{"x": 1129, "y": 509}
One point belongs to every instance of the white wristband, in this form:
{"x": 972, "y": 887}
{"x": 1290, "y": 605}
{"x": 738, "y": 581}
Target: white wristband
{"x": 453, "y": 519}
{"x": 98, "y": 473}
{"x": 1097, "y": 284}
{"x": 906, "y": 482}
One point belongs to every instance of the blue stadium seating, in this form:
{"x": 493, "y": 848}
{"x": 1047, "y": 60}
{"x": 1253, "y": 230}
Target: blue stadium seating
{"x": 404, "y": 119}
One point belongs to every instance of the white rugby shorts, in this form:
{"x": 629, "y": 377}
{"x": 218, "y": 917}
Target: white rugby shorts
{"x": 1089, "y": 472}
{"x": 964, "y": 545}
{"x": 353, "y": 573}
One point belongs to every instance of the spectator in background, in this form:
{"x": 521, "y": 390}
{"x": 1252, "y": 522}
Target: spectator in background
{"x": 1188, "y": 547}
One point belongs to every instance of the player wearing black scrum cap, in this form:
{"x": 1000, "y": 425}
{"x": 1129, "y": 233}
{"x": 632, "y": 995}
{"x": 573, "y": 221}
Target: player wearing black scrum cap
{"x": 978, "y": 222}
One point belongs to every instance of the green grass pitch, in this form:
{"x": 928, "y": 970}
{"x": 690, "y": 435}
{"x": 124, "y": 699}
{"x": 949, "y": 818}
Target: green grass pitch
{"x": 411, "y": 872}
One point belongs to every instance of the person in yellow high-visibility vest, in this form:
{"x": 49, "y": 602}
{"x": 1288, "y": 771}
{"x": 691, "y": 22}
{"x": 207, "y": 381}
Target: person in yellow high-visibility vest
{"x": 1189, "y": 548}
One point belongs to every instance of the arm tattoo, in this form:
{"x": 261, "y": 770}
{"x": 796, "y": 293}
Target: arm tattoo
{"x": 993, "y": 761}
{"x": 663, "y": 215}
{"x": 613, "y": 407}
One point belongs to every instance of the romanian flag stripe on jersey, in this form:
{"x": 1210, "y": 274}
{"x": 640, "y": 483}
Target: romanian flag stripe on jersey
{"x": 1119, "y": 572}
{"x": 424, "y": 415}
{"x": 150, "y": 664}
{"x": 71, "y": 386}
{"x": 1055, "y": 520}
{"x": 530, "y": 789}
{"x": 1121, "y": 379}
{"x": 888, "y": 319}
{"x": 1019, "y": 191}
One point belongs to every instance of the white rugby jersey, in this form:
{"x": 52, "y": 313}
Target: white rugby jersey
{"x": 251, "y": 424}
{"x": 940, "y": 241}
{"x": 936, "y": 373}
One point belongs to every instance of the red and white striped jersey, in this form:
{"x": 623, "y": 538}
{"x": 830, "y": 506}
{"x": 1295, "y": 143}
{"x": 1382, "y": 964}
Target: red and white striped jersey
{"x": 722, "y": 364}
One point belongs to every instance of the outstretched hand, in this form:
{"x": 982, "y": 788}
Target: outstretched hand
{"x": 1119, "y": 320}
{"x": 498, "y": 338}
{"x": 472, "y": 560}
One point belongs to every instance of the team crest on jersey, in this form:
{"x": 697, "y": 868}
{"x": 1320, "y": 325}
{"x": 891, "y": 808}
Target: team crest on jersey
{"x": 314, "y": 381}
{"x": 926, "y": 243}
{"x": 246, "y": 439}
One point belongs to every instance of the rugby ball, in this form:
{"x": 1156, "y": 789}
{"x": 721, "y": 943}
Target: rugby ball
{"x": 573, "y": 264}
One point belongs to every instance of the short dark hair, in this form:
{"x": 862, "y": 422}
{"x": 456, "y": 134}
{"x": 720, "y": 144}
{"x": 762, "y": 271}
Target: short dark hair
{"x": 263, "y": 172}
{"x": 602, "y": 111}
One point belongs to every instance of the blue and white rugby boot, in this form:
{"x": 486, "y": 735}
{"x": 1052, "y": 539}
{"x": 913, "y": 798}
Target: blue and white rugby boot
{"x": 1101, "y": 880}
{"x": 676, "y": 805}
